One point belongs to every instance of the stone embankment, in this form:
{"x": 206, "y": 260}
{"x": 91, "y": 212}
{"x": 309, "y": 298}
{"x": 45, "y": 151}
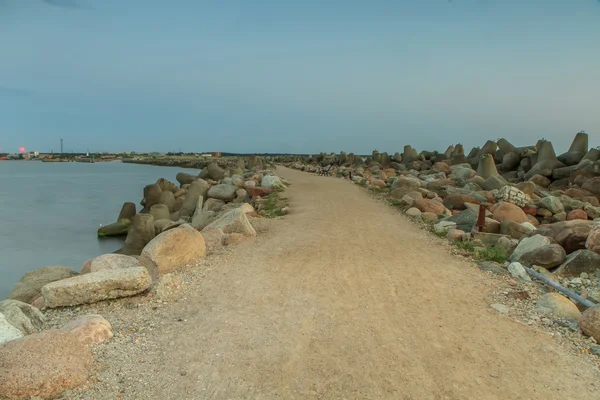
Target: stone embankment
{"x": 178, "y": 226}
{"x": 507, "y": 207}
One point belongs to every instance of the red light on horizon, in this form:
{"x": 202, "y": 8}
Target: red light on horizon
{"x": 22, "y": 149}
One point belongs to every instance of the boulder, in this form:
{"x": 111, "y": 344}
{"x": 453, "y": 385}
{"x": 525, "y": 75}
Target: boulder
{"x": 167, "y": 186}
{"x": 173, "y": 249}
{"x": 491, "y": 226}
{"x": 185, "y": 178}
{"x": 578, "y": 262}
{"x": 509, "y": 212}
{"x": 109, "y": 261}
{"x": 272, "y": 182}
{"x": 558, "y": 306}
{"x": 529, "y": 244}
{"x": 442, "y": 227}
{"x": 7, "y": 333}
{"x": 43, "y": 365}
{"x": 215, "y": 172}
{"x": 590, "y": 322}
{"x": 465, "y": 220}
{"x": 494, "y": 182}
{"x": 160, "y": 211}
{"x": 548, "y": 256}
{"x": 427, "y": 205}
{"x": 140, "y": 233}
{"x": 455, "y": 235}
{"x": 214, "y": 205}
{"x": 222, "y": 192}
{"x": 203, "y": 219}
{"x": 168, "y": 199}
{"x": 429, "y": 218}
{"x": 234, "y": 221}
{"x": 571, "y": 235}
{"x": 516, "y": 270}
{"x": 89, "y": 329}
{"x": 96, "y": 286}
{"x": 196, "y": 190}
{"x": 27, "y": 319}
{"x": 551, "y": 203}
{"x": 413, "y": 213}
{"x": 512, "y": 195}
{"x": 592, "y": 185}
{"x": 456, "y": 201}
{"x": 593, "y": 240}
{"x": 577, "y": 214}
{"x": 30, "y": 286}
{"x": 213, "y": 237}
{"x": 254, "y": 191}
{"x": 515, "y": 230}
{"x": 151, "y": 195}
{"x": 404, "y": 185}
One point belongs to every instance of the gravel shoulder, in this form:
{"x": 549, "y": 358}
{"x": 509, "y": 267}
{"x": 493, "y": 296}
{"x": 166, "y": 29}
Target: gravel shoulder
{"x": 343, "y": 298}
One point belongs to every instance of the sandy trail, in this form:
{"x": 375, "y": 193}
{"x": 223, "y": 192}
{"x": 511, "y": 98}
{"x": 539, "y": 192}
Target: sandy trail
{"x": 345, "y": 299}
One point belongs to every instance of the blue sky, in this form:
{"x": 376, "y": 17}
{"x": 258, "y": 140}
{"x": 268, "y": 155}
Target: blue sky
{"x": 310, "y": 76}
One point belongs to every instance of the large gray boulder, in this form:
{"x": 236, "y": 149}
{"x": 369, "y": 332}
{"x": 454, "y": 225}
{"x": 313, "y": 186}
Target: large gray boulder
{"x": 30, "y": 286}
{"x": 215, "y": 172}
{"x": 26, "y": 318}
{"x": 223, "y": 192}
{"x": 551, "y": 203}
{"x": 96, "y": 286}
{"x": 272, "y": 182}
{"x": 465, "y": 220}
{"x": 529, "y": 244}
{"x": 548, "y": 256}
{"x": 203, "y": 219}
{"x": 579, "y": 261}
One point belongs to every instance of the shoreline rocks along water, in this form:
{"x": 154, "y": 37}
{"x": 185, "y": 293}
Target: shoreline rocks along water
{"x": 178, "y": 225}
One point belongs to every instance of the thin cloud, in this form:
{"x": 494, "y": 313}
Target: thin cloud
{"x": 73, "y": 4}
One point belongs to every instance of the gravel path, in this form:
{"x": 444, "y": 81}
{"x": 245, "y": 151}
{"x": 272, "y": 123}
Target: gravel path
{"x": 342, "y": 299}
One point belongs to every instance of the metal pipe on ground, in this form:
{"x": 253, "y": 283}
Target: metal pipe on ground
{"x": 583, "y": 301}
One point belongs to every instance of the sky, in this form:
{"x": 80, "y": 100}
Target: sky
{"x": 298, "y": 77}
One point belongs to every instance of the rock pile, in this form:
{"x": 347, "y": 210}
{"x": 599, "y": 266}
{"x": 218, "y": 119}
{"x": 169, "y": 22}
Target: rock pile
{"x": 176, "y": 227}
{"x": 538, "y": 209}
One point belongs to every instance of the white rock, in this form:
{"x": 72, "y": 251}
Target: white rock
{"x": 7, "y": 331}
{"x": 234, "y": 221}
{"x": 517, "y": 271}
{"x": 271, "y": 182}
{"x": 501, "y": 308}
{"x": 443, "y": 227}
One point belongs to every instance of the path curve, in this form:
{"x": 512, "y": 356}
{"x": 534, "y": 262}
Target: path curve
{"x": 346, "y": 299}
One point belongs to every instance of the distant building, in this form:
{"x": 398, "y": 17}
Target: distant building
{"x": 217, "y": 154}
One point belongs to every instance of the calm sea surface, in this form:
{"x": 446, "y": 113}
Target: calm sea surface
{"x": 49, "y": 212}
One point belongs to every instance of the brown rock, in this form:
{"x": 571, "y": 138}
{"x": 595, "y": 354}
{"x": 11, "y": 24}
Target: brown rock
{"x": 378, "y": 183}
{"x": 577, "y": 214}
{"x": 514, "y": 229}
{"x": 257, "y": 191}
{"x": 456, "y": 201}
{"x": 491, "y": 226}
{"x": 89, "y": 329}
{"x": 559, "y": 306}
{"x": 540, "y": 181}
{"x": 427, "y": 205}
{"x": 571, "y": 235}
{"x": 509, "y": 212}
{"x": 592, "y": 242}
{"x": 592, "y": 185}
{"x": 173, "y": 249}
{"x": 455, "y": 235}
{"x": 526, "y": 187}
{"x": 576, "y": 193}
{"x": 590, "y": 322}
{"x": 44, "y": 364}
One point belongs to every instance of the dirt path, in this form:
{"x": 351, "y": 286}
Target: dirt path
{"x": 345, "y": 299}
